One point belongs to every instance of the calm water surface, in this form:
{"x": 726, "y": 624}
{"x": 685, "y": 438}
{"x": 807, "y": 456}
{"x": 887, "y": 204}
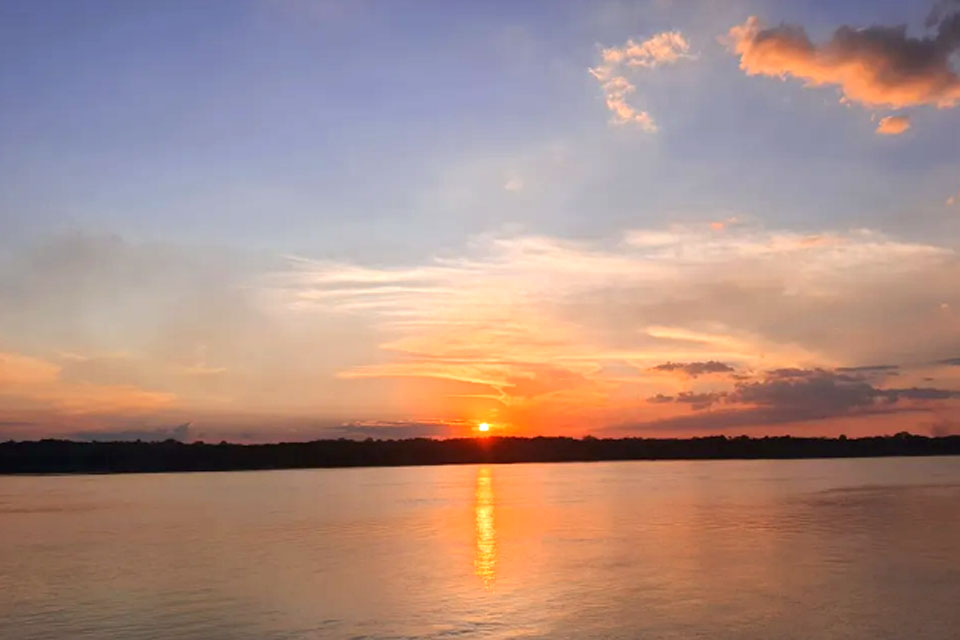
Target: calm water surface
{"x": 726, "y": 549}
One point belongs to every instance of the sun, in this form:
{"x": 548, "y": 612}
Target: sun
{"x": 484, "y": 426}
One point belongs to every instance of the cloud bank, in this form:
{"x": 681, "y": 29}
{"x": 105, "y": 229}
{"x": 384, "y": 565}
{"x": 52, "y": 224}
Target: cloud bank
{"x": 537, "y": 334}
{"x": 694, "y": 369}
{"x": 547, "y": 332}
{"x": 790, "y": 396}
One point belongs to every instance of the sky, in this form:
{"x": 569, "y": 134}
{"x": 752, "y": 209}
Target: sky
{"x": 272, "y": 220}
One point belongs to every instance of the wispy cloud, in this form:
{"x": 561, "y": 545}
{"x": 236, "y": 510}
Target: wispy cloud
{"x": 545, "y": 334}
{"x": 694, "y": 369}
{"x": 532, "y": 323}
{"x": 870, "y": 369}
{"x": 513, "y": 184}
{"x": 664, "y": 48}
{"x": 32, "y": 383}
{"x": 92, "y": 325}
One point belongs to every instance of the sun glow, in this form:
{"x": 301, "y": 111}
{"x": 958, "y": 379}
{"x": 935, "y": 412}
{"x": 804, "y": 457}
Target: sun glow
{"x": 484, "y": 427}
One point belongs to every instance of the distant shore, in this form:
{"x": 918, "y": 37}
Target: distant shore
{"x": 65, "y": 456}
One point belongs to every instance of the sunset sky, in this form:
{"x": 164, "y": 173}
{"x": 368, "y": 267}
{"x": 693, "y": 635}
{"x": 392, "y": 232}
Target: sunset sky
{"x": 284, "y": 220}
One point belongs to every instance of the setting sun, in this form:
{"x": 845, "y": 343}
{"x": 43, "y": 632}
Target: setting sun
{"x": 484, "y": 426}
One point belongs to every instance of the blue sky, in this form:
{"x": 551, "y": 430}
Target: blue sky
{"x": 393, "y": 134}
{"x": 262, "y": 123}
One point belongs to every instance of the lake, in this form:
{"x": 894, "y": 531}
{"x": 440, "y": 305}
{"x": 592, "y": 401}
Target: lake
{"x": 854, "y": 548}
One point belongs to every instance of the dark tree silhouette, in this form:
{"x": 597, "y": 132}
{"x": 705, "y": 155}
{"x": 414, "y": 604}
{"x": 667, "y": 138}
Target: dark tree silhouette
{"x": 65, "y": 456}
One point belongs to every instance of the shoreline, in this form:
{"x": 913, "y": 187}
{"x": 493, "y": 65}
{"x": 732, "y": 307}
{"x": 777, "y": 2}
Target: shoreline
{"x": 67, "y": 457}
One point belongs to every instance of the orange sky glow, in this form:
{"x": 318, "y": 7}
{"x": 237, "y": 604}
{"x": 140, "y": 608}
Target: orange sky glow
{"x": 674, "y": 222}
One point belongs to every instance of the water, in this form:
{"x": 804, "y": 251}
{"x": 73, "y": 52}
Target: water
{"x": 725, "y": 549}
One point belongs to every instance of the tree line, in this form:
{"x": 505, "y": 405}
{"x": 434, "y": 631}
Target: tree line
{"x": 66, "y": 456}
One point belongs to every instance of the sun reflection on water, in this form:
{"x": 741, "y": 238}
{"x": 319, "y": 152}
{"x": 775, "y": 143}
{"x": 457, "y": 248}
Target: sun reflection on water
{"x": 485, "y": 556}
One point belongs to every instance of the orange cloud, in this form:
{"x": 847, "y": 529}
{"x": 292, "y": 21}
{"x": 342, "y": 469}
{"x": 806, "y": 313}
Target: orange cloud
{"x": 720, "y": 225}
{"x": 90, "y": 398}
{"x": 550, "y": 332}
{"x": 876, "y": 66}
{"x": 532, "y": 333}
{"x": 893, "y": 125}
{"x": 664, "y": 48}
{"x": 16, "y": 370}
{"x": 35, "y": 383}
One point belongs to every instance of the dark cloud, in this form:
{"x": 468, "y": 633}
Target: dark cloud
{"x": 694, "y": 369}
{"x": 179, "y": 432}
{"x": 661, "y": 399}
{"x": 940, "y": 11}
{"x": 723, "y": 419}
{"x": 872, "y": 368}
{"x": 827, "y": 392}
{"x": 954, "y": 362}
{"x": 817, "y": 390}
{"x": 878, "y": 66}
{"x": 698, "y": 401}
{"x": 918, "y": 393}
{"x": 788, "y": 373}
{"x": 787, "y": 396}
{"x": 944, "y": 428}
